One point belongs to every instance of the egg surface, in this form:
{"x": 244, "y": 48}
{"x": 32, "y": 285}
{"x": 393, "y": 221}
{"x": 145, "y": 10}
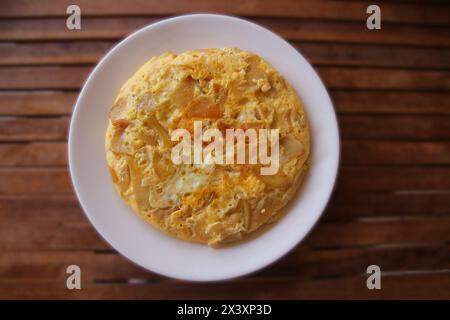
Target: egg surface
{"x": 227, "y": 88}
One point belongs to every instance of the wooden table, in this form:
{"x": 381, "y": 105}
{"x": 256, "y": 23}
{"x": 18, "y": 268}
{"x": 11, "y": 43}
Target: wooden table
{"x": 391, "y": 206}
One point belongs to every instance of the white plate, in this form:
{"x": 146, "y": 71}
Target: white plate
{"x": 139, "y": 241}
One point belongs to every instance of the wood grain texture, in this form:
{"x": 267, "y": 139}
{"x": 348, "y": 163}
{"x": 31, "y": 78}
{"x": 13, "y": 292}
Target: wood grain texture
{"x": 354, "y": 152}
{"x": 390, "y": 102}
{"x": 72, "y": 77}
{"x": 319, "y": 9}
{"x": 30, "y": 103}
{"x": 35, "y": 181}
{"x": 78, "y": 234}
{"x": 36, "y": 103}
{"x": 34, "y": 154}
{"x": 385, "y": 205}
{"x": 54, "y": 77}
{"x": 47, "y": 267}
{"x": 293, "y": 29}
{"x": 393, "y": 178}
{"x": 344, "y": 206}
{"x": 88, "y": 52}
{"x": 416, "y": 286}
{"x": 25, "y": 129}
{"x": 391, "y": 204}
{"x": 396, "y": 127}
{"x": 363, "y": 152}
{"x": 354, "y": 234}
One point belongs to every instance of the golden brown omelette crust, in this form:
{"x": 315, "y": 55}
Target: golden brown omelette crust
{"x": 223, "y": 88}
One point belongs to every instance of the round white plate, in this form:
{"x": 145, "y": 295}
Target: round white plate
{"x": 139, "y": 241}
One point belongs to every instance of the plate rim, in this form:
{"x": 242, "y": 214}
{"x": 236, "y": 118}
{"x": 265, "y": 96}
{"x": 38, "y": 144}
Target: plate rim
{"x": 75, "y": 115}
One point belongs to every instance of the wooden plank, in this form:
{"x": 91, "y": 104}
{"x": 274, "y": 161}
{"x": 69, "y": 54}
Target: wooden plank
{"x": 71, "y": 77}
{"x": 79, "y": 235}
{"x": 71, "y": 236}
{"x": 421, "y": 2}
{"x": 26, "y": 209}
{"x": 391, "y": 178}
{"x": 35, "y": 181}
{"x": 373, "y": 55}
{"x": 49, "y": 267}
{"x": 49, "y": 223}
{"x": 357, "y": 33}
{"x": 395, "y": 152}
{"x": 390, "y": 102}
{"x": 319, "y": 9}
{"x": 14, "y": 129}
{"x": 365, "y": 78}
{"x": 354, "y": 152}
{"x": 51, "y": 237}
{"x": 35, "y": 154}
{"x": 351, "y": 205}
{"x": 304, "y": 262}
{"x": 37, "y": 102}
{"x": 394, "y": 127}
{"x": 343, "y": 206}
{"x": 67, "y": 77}
{"x": 55, "y": 29}
{"x": 77, "y": 52}
{"x": 355, "y": 234}
{"x": 419, "y": 286}
{"x": 292, "y": 29}
{"x": 361, "y": 102}
{"x": 86, "y": 52}
{"x": 75, "y": 233}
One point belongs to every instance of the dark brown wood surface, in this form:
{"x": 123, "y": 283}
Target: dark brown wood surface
{"x": 391, "y": 205}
